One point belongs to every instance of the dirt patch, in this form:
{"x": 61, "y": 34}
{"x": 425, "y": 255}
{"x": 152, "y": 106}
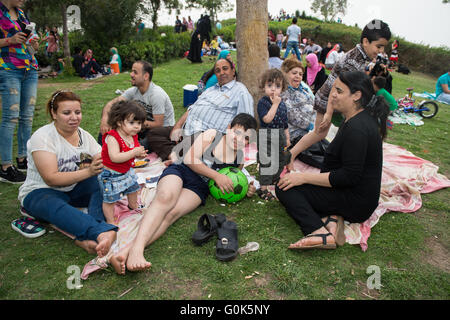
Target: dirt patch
{"x": 365, "y": 292}
{"x": 439, "y": 255}
{"x": 67, "y": 85}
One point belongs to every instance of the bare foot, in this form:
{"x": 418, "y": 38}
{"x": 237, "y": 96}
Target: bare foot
{"x": 137, "y": 262}
{"x": 119, "y": 263}
{"x": 88, "y": 245}
{"x": 105, "y": 241}
{"x": 312, "y": 241}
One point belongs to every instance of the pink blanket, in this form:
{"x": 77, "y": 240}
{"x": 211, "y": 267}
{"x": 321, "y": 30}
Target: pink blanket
{"x": 404, "y": 178}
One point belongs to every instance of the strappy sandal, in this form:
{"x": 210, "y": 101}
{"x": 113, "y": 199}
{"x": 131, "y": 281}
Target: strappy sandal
{"x": 265, "y": 195}
{"x": 207, "y": 227}
{"x": 340, "y": 235}
{"x": 227, "y": 242}
{"x": 323, "y": 245}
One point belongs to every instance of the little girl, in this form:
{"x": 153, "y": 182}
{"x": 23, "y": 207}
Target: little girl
{"x": 273, "y": 137}
{"x": 120, "y": 148}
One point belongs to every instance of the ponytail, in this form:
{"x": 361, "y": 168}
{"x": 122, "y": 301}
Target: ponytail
{"x": 379, "y": 109}
{"x": 376, "y": 105}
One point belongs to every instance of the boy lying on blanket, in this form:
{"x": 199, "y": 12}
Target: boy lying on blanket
{"x": 183, "y": 186}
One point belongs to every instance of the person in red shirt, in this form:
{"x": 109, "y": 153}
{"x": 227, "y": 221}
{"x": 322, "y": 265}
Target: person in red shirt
{"x": 119, "y": 150}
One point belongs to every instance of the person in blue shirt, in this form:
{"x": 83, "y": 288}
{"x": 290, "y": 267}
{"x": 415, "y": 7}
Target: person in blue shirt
{"x": 442, "y": 88}
{"x": 273, "y": 137}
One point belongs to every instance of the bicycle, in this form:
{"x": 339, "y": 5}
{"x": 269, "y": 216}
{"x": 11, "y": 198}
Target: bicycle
{"x": 427, "y": 108}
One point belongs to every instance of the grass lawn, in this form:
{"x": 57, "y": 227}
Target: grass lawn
{"x": 411, "y": 249}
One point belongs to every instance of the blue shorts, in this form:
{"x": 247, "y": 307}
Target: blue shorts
{"x": 191, "y": 180}
{"x": 115, "y": 185}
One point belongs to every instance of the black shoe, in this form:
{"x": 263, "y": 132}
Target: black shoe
{"x": 12, "y": 175}
{"x": 22, "y": 165}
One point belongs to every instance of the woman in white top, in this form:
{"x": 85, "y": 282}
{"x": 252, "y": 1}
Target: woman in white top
{"x": 64, "y": 161}
{"x": 334, "y": 56}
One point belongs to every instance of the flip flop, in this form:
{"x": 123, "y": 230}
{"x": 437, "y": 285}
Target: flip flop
{"x": 227, "y": 242}
{"x": 323, "y": 245}
{"x": 207, "y": 227}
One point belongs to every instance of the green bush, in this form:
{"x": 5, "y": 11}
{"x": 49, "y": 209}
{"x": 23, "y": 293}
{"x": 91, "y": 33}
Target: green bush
{"x": 149, "y": 46}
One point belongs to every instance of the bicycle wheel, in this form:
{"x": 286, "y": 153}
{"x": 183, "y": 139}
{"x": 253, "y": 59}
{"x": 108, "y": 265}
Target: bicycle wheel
{"x": 429, "y": 109}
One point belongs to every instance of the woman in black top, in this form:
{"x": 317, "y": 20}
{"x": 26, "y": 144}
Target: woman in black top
{"x": 348, "y": 185}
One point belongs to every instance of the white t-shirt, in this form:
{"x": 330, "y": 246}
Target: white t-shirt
{"x": 293, "y": 31}
{"x": 114, "y": 59}
{"x": 334, "y": 57}
{"x": 69, "y": 157}
{"x": 155, "y": 101}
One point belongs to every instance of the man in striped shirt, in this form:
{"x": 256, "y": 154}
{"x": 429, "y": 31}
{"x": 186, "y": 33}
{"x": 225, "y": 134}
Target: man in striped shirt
{"x": 215, "y": 108}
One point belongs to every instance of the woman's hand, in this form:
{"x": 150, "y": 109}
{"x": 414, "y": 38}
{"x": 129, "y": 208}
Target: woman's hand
{"x": 326, "y": 122}
{"x": 291, "y": 180}
{"x": 251, "y": 190}
{"x": 96, "y": 166}
{"x": 19, "y": 37}
{"x": 224, "y": 183}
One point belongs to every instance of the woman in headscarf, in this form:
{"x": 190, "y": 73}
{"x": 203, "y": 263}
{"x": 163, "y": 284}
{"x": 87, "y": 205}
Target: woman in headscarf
{"x": 116, "y": 61}
{"x": 195, "y": 48}
{"x": 333, "y": 56}
{"x": 314, "y": 73}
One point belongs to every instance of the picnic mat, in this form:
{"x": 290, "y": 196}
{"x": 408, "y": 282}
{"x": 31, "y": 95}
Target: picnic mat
{"x": 404, "y": 178}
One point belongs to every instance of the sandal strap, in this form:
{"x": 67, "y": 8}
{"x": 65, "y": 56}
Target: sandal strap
{"x": 207, "y": 221}
{"x": 322, "y": 235}
{"x": 329, "y": 219}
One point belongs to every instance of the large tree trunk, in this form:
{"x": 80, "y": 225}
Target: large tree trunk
{"x": 66, "y": 45}
{"x": 251, "y": 41}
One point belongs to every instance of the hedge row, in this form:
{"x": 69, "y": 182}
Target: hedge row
{"x": 149, "y": 46}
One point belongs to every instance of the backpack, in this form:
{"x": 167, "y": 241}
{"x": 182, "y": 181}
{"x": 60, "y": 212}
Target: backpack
{"x": 403, "y": 69}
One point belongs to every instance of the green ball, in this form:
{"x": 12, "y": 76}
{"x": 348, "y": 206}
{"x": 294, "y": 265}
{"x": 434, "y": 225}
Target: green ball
{"x": 240, "y": 186}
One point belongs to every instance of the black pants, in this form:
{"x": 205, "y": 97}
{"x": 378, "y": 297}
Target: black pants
{"x": 308, "y": 204}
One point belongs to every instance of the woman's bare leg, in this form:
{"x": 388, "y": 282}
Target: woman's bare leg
{"x": 167, "y": 194}
{"x": 187, "y": 202}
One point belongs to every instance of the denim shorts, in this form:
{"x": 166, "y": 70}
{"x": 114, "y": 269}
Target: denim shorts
{"x": 115, "y": 185}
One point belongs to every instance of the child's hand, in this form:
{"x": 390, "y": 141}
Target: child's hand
{"x": 251, "y": 190}
{"x": 224, "y": 183}
{"x": 276, "y": 100}
{"x": 140, "y": 152}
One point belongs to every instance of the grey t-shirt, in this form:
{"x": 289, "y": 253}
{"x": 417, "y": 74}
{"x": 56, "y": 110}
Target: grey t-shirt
{"x": 155, "y": 101}
{"x": 293, "y": 31}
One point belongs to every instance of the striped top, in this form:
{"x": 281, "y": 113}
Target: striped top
{"x": 217, "y": 107}
{"x": 15, "y": 56}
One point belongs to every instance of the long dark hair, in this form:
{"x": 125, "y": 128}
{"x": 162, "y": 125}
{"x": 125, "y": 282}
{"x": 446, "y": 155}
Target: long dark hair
{"x": 376, "y": 105}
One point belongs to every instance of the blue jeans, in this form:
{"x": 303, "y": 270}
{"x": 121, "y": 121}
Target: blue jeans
{"x": 293, "y": 45}
{"x": 60, "y": 208}
{"x": 18, "y": 89}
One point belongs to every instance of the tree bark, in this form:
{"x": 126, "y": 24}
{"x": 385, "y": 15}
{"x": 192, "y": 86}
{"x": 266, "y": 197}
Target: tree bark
{"x": 251, "y": 42}
{"x": 66, "y": 44}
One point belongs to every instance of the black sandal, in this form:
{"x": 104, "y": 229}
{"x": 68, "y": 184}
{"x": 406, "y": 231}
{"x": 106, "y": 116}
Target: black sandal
{"x": 340, "y": 235}
{"x": 227, "y": 242}
{"x": 265, "y": 195}
{"x": 323, "y": 245}
{"x": 207, "y": 227}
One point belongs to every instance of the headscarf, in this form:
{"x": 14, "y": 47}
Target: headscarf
{"x": 334, "y": 49}
{"x": 223, "y": 54}
{"x": 119, "y": 60}
{"x": 313, "y": 69}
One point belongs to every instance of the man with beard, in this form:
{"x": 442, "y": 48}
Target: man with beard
{"x": 154, "y": 100}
